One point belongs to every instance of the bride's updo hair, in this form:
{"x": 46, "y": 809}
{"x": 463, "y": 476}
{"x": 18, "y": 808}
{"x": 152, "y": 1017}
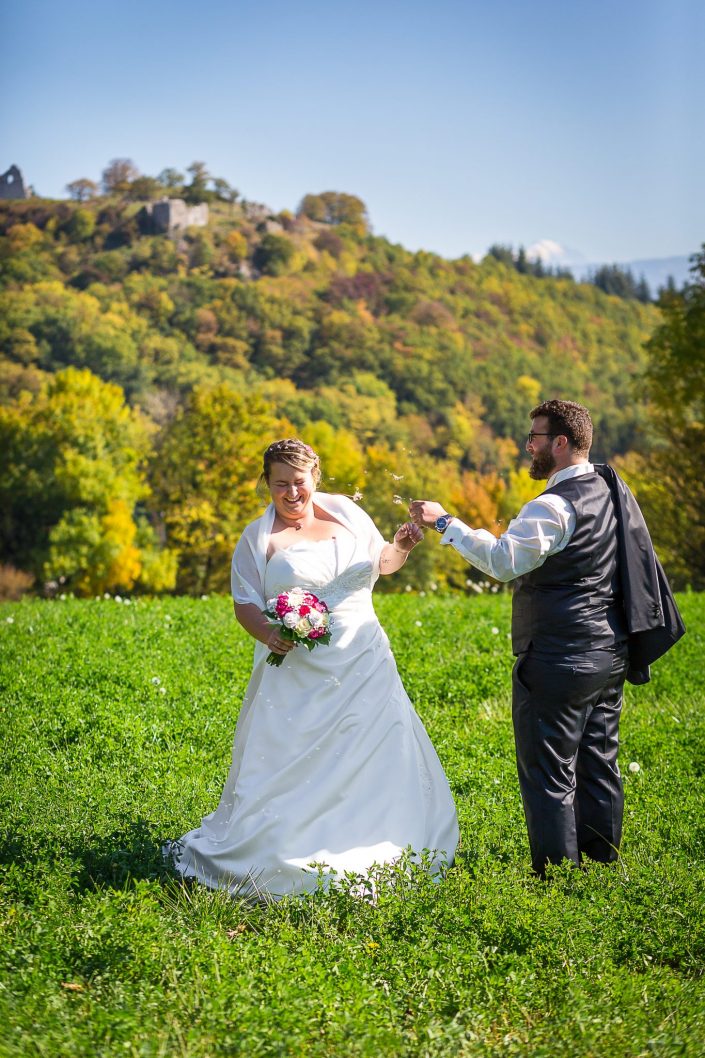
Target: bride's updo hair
{"x": 295, "y": 454}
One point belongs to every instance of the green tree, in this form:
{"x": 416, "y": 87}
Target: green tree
{"x": 204, "y": 478}
{"x": 669, "y": 481}
{"x": 171, "y": 179}
{"x": 274, "y": 254}
{"x": 197, "y": 191}
{"x": 74, "y": 471}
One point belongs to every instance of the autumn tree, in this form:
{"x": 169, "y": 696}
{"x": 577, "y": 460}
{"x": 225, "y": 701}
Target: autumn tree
{"x": 74, "y": 473}
{"x": 82, "y": 190}
{"x": 335, "y": 207}
{"x": 204, "y": 477}
{"x": 118, "y": 175}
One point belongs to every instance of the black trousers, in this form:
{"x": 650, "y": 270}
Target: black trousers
{"x": 566, "y": 711}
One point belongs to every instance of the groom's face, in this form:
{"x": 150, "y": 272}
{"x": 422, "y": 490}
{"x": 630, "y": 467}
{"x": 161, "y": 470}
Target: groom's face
{"x": 540, "y": 448}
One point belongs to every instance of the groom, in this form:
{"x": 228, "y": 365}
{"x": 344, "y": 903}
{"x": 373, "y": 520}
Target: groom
{"x": 569, "y": 635}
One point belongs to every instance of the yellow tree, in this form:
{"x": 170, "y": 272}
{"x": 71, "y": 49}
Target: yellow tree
{"x": 74, "y": 473}
{"x": 204, "y": 477}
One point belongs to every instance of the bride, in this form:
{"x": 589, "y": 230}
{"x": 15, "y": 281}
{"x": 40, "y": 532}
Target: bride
{"x": 331, "y": 765}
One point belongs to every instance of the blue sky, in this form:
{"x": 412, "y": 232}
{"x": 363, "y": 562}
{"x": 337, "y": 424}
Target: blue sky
{"x": 458, "y": 123}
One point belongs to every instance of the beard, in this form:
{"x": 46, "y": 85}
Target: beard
{"x": 542, "y": 466}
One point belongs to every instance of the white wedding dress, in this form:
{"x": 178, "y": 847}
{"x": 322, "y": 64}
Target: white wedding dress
{"x": 331, "y": 765}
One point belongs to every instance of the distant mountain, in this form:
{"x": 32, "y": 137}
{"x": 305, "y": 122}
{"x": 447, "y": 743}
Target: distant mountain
{"x": 655, "y": 270}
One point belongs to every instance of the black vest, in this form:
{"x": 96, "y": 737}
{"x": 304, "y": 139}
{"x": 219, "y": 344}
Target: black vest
{"x": 572, "y": 603}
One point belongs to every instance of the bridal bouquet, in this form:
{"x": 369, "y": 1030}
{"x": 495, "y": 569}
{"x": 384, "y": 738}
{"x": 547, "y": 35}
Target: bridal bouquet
{"x": 302, "y": 617}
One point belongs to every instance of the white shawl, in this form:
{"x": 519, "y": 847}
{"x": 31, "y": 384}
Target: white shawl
{"x": 250, "y": 555}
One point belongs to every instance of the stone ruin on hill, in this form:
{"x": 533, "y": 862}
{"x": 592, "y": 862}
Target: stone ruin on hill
{"x": 12, "y": 184}
{"x": 170, "y": 215}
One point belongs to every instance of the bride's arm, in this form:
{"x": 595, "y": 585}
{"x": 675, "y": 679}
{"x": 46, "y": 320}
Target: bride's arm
{"x": 394, "y": 555}
{"x": 254, "y": 622}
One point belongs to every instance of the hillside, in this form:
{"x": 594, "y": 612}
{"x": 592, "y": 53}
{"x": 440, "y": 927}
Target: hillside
{"x": 400, "y": 366}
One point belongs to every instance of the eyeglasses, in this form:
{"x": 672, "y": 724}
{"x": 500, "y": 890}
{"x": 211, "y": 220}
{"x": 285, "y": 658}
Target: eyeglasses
{"x": 538, "y": 433}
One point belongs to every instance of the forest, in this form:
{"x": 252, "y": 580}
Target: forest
{"x": 142, "y": 374}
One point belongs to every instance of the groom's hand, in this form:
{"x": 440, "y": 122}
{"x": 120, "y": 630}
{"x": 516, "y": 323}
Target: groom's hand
{"x": 425, "y": 512}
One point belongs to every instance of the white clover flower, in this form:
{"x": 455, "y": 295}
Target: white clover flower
{"x": 167, "y": 617}
{"x": 203, "y": 598}
{"x": 156, "y": 681}
{"x": 62, "y": 597}
{"x": 408, "y": 588}
{"x": 495, "y": 631}
{"x": 433, "y": 586}
{"x": 422, "y": 594}
{"x": 162, "y": 690}
{"x": 634, "y": 767}
{"x": 127, "y": 601}
{"x": 418, "y": 623}
{"x": 397, "y": 499}
{"x": 290, "y": 619}
{"x": 118, "y": 598}
{"x": 357, "y": 495}
{"x": 10, "y": 620}
{"x": 106, "y": 594}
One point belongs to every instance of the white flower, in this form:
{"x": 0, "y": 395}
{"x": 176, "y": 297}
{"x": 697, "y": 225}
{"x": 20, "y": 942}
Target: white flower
{"x": 203, "y": 598}
{"x": 62, "y": 597}
{"x": 357, "y": 495}
{"x": 418, "y": 623}
{"x": 408, "y": 588}
{"x": 106, "y": 594}
{"x": 303, "y": 627}
{"x": 162, "y": 690}
{"x": 290, "y": 619}
{"x": 315, "y": 619}
{"x": 495, "y": 631}
{"x": 118, "y": 598}
{"x": 156, "y": 681}
{"x": 127, "y": 601}
{"x": 433, "y": 586}
{"x": 634, "y": 767}
{"x": 10, "y": 620}
{"x": 422, "y": 594}
{"x": 167, "y": 617}
{"x": 396, "y": 499}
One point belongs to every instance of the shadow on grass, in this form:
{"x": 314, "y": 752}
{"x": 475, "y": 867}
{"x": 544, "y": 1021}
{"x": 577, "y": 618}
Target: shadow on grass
{"x": 131, "y": 852}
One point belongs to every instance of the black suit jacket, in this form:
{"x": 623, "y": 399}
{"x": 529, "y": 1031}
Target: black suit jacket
{"x": 653, "y": 620}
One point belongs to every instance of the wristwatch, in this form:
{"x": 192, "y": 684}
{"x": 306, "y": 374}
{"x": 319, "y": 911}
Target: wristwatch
{"x": 442, "y": 523}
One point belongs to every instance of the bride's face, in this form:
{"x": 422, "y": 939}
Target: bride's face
{"x": 291, "y": 491}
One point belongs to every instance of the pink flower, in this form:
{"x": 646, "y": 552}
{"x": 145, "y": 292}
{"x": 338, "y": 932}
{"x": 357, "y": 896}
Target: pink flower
{"x": 304, "y": 610}
{"x": 283, "y": 606}
{"x": 320, "y": 606}
{"x": 316, "y": 633}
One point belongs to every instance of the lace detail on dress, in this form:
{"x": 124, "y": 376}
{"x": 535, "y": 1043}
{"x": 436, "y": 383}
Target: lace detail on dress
{"x": 354, "y": 579}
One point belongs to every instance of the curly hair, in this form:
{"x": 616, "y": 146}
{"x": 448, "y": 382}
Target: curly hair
{"x": 294, "y": 453}
{"x": 567, "y": 417}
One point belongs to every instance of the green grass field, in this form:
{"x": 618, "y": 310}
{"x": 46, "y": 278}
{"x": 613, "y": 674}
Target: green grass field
{"x": 104, "y": 953}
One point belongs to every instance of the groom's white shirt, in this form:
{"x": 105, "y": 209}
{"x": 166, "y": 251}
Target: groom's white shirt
{"x": 543, "y": 527}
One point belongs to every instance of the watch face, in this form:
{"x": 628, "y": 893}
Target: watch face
{"x": 442, "y": 522}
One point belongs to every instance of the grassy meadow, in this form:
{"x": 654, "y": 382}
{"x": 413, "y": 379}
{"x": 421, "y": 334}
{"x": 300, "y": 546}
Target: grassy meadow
{"x": 117, "y": 726}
